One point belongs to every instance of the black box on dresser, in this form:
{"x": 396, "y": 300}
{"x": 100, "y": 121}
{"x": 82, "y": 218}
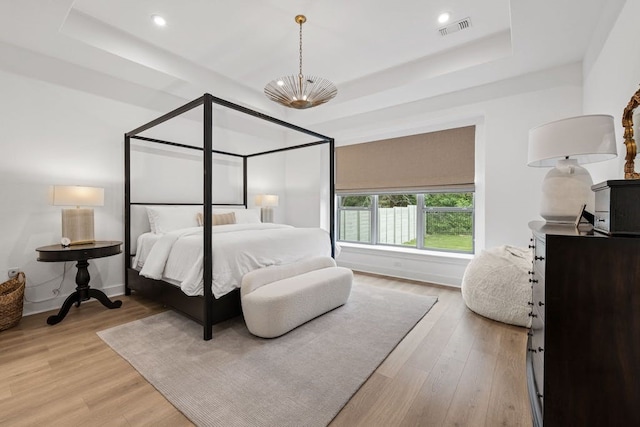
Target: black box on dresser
{"x": 617, "y": 208}
{"x": 583, "y": 355}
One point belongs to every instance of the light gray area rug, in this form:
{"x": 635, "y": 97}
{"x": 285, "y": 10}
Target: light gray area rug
{"x": 302, "y": 378}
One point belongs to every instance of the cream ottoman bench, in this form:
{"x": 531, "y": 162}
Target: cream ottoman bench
{"x": 279, "y": 298}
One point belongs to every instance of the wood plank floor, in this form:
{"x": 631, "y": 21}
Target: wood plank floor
{"x": 454, "y": 369}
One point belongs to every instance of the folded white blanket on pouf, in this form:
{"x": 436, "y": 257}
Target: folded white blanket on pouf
{"x": 496, "y": 285}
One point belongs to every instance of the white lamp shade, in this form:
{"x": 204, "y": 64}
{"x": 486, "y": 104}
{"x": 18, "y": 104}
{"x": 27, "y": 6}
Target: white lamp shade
{"x": 77, "y": 223}
{"x": 72, "y": 195}
{"x": 588, "y": 139}
{"x": 266, "y": 200}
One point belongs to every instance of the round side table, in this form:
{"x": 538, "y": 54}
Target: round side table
{"x": 82, "y": 254}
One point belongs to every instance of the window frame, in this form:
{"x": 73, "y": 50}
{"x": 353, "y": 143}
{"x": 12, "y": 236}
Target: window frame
{"x": 421, "y": 215}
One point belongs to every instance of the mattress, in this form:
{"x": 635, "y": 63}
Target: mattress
{"x": 177, "y": 256}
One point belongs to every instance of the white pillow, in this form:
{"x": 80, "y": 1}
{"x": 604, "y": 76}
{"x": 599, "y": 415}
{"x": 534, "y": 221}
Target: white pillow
{"x": 243, "y": 216}
{"x": 163, "y": 219}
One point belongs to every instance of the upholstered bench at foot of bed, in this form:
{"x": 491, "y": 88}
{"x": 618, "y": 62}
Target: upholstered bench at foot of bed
{"x": 280, "y": 298}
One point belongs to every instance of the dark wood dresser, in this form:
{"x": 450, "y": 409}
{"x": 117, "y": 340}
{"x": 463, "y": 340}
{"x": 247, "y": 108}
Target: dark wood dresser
{"x": 583, "y": 355}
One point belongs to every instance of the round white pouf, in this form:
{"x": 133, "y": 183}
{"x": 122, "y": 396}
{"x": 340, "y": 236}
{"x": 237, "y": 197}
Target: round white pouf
{"x": 496, "y": 285}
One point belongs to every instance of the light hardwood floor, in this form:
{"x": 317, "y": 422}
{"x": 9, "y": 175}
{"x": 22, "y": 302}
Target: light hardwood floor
{"x": 454, "y": 369}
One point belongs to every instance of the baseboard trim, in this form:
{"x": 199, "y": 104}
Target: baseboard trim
{"x": 435, "y": 279}
{"x": 56, "y": 302}
{"x": 439, "y": 268}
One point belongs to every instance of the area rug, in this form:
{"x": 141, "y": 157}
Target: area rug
{"x": 302, "y": 378}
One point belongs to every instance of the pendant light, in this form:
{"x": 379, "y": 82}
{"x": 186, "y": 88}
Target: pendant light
{"x": 300, "y": 91}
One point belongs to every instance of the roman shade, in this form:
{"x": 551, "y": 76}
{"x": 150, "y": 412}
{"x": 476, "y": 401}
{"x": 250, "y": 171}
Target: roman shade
{"x": 443, "y": 159}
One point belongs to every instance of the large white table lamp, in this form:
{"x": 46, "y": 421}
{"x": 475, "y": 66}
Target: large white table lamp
{"x": 565, "y": 145}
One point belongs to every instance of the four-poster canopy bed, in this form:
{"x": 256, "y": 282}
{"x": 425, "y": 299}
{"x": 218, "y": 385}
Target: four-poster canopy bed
{"x": 206, "y": 308}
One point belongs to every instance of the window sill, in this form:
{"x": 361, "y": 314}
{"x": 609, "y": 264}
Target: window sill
{"x": 413, "y": 253}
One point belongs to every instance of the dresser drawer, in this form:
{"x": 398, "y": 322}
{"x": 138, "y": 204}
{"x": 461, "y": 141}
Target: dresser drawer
{"x": 539, "y": 255}
{"x": 601, "y": 221}
{"x": 602, "y": 199}
{"x": 538, "y": 297}
{"x": 537, "y": 328}
{"x": 536, "y": 348}
{"x": 538, "y": 374}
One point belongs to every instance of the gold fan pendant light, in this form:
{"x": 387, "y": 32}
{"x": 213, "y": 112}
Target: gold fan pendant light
{"x": 300, "y": 91}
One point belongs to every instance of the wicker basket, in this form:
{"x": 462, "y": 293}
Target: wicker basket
{"x": 11, "y": 300}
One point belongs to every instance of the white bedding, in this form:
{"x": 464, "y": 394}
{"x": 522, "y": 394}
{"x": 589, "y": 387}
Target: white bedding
{"x": 144, "y": 244}
{"x": 237, "y": 249}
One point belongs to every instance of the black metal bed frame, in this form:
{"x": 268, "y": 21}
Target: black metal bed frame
{"x": 203, "y": 309}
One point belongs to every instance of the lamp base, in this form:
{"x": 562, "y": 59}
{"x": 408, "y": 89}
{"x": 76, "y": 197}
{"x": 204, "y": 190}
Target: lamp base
{"x": 266, "y": 214}
{"x": 77, "y": 225}
{"x": 564, "y": 190}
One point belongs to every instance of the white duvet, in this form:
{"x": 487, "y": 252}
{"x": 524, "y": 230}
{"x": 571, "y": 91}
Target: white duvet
{"x": 237, "y": 249}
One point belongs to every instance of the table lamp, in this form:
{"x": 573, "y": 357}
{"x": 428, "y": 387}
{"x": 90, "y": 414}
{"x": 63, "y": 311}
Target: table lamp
{"x": 564, "y": 145}
{"x": 77, "y": 223}
{"x": 267, "y": 202}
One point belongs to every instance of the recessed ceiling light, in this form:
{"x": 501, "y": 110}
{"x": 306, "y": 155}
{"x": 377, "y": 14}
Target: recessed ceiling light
{"x": 444, "y": 17}
{"x": 159, "y": 20}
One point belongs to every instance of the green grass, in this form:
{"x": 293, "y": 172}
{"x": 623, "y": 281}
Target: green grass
{"x": 463, "y": 243}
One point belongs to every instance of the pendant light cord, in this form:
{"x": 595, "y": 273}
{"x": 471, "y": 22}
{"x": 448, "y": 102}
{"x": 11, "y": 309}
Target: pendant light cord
{"x": 300, "y": 74}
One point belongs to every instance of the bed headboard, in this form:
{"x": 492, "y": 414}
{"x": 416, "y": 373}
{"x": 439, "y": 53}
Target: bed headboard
{"x": 139, "y": 220}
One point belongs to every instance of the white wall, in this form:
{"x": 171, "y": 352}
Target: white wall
{"x": 306, "y": 186}
{"x": 266, "y": 175}
{"x": 612, "y": 76}
{"x": 156, "y": 169}
{"x": 52, "y": 135}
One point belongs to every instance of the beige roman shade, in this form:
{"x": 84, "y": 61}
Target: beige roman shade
{"x": 443, "y": 159}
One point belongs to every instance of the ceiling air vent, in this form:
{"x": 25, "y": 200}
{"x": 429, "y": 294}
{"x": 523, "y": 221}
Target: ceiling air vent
{"x": 462, "y": 24}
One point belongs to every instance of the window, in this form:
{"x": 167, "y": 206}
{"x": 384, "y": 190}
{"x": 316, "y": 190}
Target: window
{"x": 443, "y": 220}
{"x": 355, "y": 218}
{"x": 412, "y": 191}
{"x": 397, "y": 219}
{"x": 448, "y": 221}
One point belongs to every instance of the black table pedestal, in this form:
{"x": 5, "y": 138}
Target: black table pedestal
{"x": 83, "y": 292}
